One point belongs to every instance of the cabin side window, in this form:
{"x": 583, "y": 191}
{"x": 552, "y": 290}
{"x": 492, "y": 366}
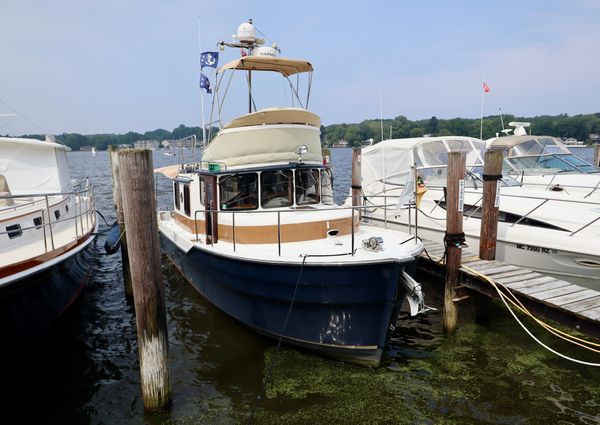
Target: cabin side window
{"x": 202, "y": 194}
{"x": 186, "y": 199}
{"x": 239, "y": 191}
{"x": 176, "y": 195}
{"x": 326, "y": 187}
{"x": 276, "y": 189}
{"x": 307, "y": 187}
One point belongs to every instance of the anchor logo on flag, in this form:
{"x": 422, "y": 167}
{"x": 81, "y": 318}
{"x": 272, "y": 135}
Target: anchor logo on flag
{"x": 209, "y": 59}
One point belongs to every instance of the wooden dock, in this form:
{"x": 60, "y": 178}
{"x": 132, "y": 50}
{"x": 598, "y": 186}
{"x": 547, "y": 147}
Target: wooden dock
{"x": 568, "y": 304}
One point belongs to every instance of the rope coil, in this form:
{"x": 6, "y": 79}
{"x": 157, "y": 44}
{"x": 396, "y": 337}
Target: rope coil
{"x": 454, "y": 239}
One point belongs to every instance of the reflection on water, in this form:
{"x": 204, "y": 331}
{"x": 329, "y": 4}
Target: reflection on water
{"x": 86, "y": 370}
{"x": 335, "y": 332}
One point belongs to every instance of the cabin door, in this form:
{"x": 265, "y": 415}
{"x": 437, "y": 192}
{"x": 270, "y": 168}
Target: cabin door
{"x": 210, "y": 204}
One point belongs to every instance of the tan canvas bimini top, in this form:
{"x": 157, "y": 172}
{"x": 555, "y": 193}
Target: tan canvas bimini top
{"x": 284, "y": 66}
{"x": 276, "y": 116}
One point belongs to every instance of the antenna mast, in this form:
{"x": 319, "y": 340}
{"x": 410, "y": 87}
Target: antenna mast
{"x": 247, "y": 41}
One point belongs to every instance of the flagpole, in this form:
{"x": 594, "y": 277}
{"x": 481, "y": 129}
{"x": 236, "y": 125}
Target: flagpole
{"x": 201, "y": 91}
{"x": 381, "y": 116}
{"x": 481, "y": 116}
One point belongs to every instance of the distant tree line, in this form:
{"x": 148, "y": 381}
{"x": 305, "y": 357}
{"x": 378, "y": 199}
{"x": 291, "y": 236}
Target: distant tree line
{"x": 101, "y": 141}
{"x": 564, "y": 126}
{"x": 578, "y": 126}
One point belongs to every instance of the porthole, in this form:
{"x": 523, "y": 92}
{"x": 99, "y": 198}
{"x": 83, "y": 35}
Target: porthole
{"x": 57, "y": 214}
{"x": 37, "y": 221}
{"x": 14, "y": 231}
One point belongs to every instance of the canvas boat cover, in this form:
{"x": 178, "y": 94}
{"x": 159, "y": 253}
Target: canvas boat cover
{"x": 390, "y": 161}
{"x": 276, "y": 116}
{"x": 268, "y": 136}
{"x": 32, "y": 166}
{"x": 170, "y": 171}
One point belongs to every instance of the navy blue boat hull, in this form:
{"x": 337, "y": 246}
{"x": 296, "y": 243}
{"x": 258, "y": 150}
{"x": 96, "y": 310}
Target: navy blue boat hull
{"x": 343, "y": 311}
{"x": 30, "y": 305}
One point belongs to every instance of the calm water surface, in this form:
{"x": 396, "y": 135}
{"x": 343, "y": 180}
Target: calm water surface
{"x": 86, "y": 370}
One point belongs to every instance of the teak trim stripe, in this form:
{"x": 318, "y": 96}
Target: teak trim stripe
{"x": 40, "y": 259}
{"x": 295, "y": 232}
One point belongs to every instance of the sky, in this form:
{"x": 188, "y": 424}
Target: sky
{"x": 113, "y": 66}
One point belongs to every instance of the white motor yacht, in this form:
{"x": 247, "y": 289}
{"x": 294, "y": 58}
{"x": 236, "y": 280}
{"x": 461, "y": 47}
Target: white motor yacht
{"x": 545, "y": 163}
{"x": 254, "y": 227}
{"x": 46, "y": 227}
{"x": 541, "y": 230}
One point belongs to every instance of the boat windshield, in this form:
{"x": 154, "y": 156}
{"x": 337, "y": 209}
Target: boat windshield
{"x": 537, "y": 146}
{"x": 506, "y": 180}
{"x": 435, "y": 153}
{"x": 554, "y": 163}
{"x": 307, "y": 187}
{"x": 277, "y": 188}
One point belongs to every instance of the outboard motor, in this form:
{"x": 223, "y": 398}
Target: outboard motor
{"x": 415, "y": 298}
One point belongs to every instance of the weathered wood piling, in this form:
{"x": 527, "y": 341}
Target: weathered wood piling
{"x": 597, "y": 155}
{"x": 139, "y": 209}
{"x": 492, "y": 172}
{"x": 116, "y": 185}
{"x": 454, "y": 235}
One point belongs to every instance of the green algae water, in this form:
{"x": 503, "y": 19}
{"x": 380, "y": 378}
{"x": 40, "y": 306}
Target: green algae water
{"x": 86, "y": 371}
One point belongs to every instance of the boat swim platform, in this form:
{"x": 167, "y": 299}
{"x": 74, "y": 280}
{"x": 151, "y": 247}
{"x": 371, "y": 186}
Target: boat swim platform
{"x": 568, "y": 304}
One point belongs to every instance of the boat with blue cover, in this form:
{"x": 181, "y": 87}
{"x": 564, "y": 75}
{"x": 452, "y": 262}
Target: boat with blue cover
{"x": 255, "y": 229}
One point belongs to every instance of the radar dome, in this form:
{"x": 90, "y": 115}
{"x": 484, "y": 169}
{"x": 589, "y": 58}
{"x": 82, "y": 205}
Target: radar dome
{"x": 246, "y": 32}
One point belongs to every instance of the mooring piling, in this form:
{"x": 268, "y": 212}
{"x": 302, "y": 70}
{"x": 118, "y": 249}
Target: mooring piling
{"x": 492, "y": 172}
{"x": 597, "y": 155}
{"x": 454, "y": 234}
{"x": 139, "y": 209}
{"x": 114, "y": 164}
{"x": 356, "y": 180}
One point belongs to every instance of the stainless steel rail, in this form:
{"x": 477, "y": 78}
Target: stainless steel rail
{"x": 82, "y": 202}
{"x": 279, "y": 225}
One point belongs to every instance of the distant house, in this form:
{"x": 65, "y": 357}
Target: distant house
{"x": 595, "y": 137}
{"x": 571, "y": 141}
{"x": 148, "y": 144}
{"x": 340, "y": 144}
{"x": 85, "y": 148}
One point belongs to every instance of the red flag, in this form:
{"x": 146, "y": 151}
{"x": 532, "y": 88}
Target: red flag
{"x": 486, "y": 88}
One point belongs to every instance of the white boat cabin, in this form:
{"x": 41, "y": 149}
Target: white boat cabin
{"x": 262, "y": 172}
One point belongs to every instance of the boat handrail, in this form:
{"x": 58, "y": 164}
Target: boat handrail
{"x": 582, "y": 200}
{"x": 522, "y": 216}
{"x": 32, "y": 201}
{"x": 278, "y": 212}
{"x": 85, "y": 207}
